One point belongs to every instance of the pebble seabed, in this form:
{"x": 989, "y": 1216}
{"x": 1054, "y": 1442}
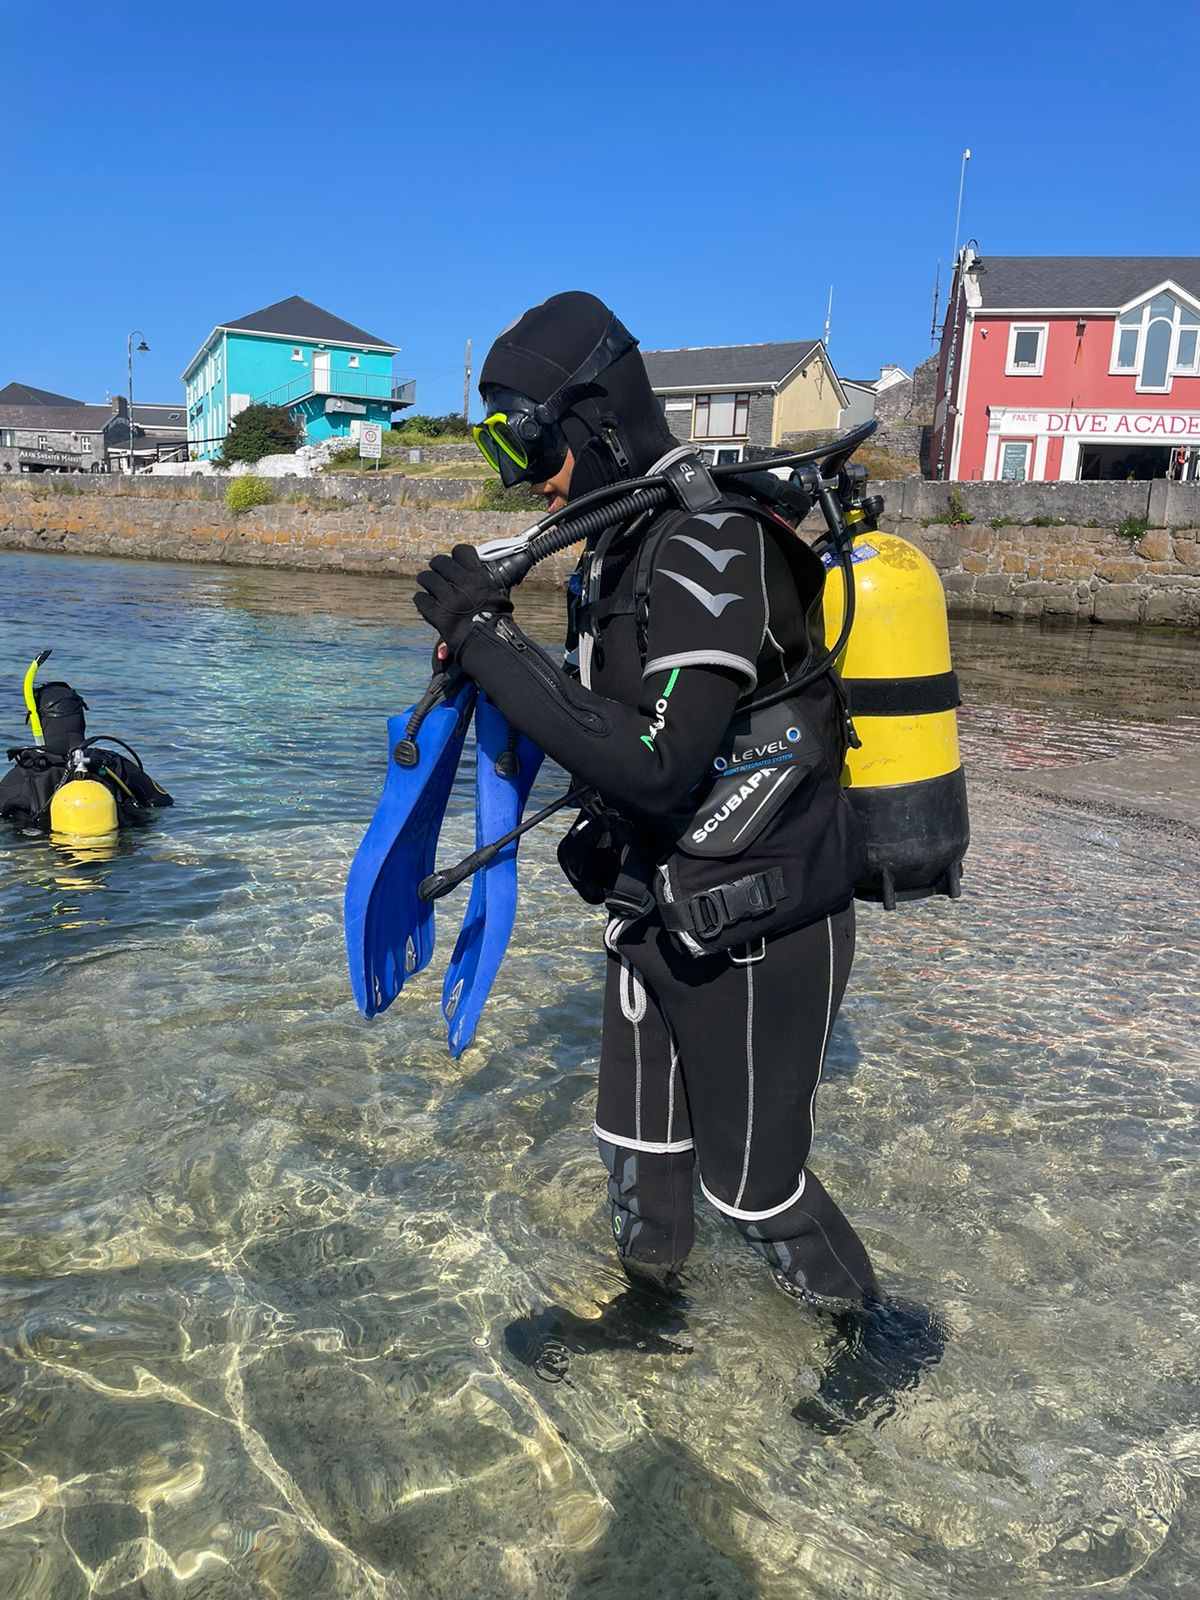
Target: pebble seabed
{"x": 257, "y": 1255}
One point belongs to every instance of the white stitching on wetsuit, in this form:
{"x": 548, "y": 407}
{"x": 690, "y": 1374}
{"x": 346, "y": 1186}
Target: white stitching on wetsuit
{"x": 649, "y": 1146}
{"x": 749, "y": 1082}
{"x": 812, "y": 1100}
{"x": 671, "y": 1086}
{"x": 633, "y": 994}
{"x": 753, "y": 1216}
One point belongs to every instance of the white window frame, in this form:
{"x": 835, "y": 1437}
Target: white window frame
{"x": 353, "y": 361}
{"x": 85, "y": 444}
{"x": 706, "y": 400}
{"x": 1142, "y": 328}
{"x": 297, "y": 353}
{"x": 1011, "y": 370}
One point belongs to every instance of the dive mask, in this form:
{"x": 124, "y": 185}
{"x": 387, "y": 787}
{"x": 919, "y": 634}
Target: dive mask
{"x": 522, "y": 439}
{"x": 515, "y": 444}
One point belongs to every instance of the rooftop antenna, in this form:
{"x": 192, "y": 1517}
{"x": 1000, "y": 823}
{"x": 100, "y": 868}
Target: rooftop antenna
{"x": 828, "y": 316}
{"x": 962, "y": 178}
{"x": 950, "y": 393}
{"x": 937, "y": 292}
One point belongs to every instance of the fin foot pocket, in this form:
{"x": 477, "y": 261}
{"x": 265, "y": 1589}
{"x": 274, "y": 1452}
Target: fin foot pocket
{"x": 879, "y": 1351}
{"x": 506, "y": 764}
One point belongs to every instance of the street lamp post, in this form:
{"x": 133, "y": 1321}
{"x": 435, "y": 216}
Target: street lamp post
{"x": 142, "y": 349}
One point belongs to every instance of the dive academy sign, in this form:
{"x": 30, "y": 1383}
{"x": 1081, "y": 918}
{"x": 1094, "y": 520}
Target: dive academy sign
{"x": 1148, "y": 425}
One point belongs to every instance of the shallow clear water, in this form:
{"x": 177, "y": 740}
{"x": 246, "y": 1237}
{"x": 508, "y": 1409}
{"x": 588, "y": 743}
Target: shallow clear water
{"x": 257, "y": 1255}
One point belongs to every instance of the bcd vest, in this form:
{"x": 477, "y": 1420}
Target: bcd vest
{"x": 766, "y": 841}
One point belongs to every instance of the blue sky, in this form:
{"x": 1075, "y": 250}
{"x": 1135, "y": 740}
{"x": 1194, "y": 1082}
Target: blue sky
{"x": 429, "y": 171}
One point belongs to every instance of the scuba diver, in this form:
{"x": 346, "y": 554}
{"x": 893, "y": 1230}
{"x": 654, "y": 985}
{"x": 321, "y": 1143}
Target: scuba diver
{"x": 716, "y": 833}
{"x": 66, "y": 783}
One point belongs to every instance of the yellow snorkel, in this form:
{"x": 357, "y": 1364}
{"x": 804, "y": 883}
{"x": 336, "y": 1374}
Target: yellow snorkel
{"x": 35, "y": 722}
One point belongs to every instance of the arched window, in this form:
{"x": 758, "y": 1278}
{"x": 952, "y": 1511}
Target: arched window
{"x": 1158, "y": 340}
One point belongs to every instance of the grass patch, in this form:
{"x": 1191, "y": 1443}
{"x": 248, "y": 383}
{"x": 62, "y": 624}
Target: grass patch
{"x": 1001, "y": 522}
{"x": 956, "y": 514}
{"x": 493, "y": 496}
{"x": 1093, "y": 522}
{"x": 884, "y": 465}
{"x": 1133, "y": 528}
{"x": 244, "y": 493}
{"x": 444, "y": 469}
{"x": 1044, "y": 522}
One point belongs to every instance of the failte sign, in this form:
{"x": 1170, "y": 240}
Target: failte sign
{"x": 1149, "y": 425}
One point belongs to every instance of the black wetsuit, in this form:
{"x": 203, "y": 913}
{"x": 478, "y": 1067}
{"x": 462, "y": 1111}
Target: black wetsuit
{"x": 716, "y": 1056}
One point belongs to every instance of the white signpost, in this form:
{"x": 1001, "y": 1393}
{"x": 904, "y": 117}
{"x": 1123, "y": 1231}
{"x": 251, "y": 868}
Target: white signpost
{"x": 370, "y": 442}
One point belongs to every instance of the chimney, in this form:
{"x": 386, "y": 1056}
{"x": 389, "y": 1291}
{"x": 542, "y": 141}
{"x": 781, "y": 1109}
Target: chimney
{"x": 120, "y": 406}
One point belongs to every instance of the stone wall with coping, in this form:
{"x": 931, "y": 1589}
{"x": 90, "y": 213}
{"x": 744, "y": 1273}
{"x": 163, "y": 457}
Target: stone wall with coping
{"x": 1099, "y": 552}
{"x": 363, "y": 530}
{"x": 1030, "y": 550}
{"x": 430, "y": 453}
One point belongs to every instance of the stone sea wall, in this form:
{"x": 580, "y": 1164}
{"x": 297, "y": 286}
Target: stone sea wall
{"x": 314, "y": 524}
{"x": 1101, "y": 552}
{"x": 1105, "y": 552}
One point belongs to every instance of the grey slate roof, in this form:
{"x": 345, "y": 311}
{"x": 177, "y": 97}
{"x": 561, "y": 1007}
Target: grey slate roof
{"x": 297, "y": 318}
{"x": 1093, "y": 283}
{"x": 24, "y": 394}
{"x": 754, "y": 365}
{"x": 74, "y": 418}
{"x": 154, "y": 414}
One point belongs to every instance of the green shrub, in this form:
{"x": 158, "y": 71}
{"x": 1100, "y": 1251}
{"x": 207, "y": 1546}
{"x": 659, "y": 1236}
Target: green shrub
{"x": 1093, "y": 522}
{"x": 243, "y": 493}
{"x": 956, "y": 513}
{"x": 345, "y": 457}
{"x": 260, "y": 431}
{"x": 424, "y": 430}
{"x": 493, "y": 496}
{"x": 1044, "y": 522}
{"x": 1133, "y": 528}
{"x": 1001, "y": 522}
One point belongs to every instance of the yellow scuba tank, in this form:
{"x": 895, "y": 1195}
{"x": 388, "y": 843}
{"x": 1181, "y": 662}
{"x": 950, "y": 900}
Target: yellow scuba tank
{"x": 905, "y": 782}
{"x": 83, "y": 808}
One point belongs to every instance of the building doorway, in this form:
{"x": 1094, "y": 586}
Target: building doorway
{"x": 1136, "y": 462}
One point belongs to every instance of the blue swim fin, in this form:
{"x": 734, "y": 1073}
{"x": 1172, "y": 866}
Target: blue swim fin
{"x": 389, "y": 928}
{"x": 506, "y": 765}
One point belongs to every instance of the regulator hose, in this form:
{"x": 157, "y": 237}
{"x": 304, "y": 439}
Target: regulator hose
{"x": 613, "y": 503}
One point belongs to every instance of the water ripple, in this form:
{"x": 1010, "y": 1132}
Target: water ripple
{"x": 258, "y": 1256}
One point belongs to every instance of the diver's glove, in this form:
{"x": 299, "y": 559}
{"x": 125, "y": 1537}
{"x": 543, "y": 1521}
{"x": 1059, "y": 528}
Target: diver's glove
{"x": 461, "y": 589}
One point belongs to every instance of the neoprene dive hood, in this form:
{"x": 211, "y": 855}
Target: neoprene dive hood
{"x": 567, "y": 374}
{"x": 69, "y": 784}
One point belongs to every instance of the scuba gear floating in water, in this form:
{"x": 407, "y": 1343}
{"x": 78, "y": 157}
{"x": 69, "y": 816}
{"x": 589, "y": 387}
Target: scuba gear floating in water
{"x": 66, "y": 783}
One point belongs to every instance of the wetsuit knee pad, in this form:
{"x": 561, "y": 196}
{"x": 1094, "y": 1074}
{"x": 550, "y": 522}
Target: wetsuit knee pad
{"x": 814, "y": 1251}
{"x": 650, "y": 1196}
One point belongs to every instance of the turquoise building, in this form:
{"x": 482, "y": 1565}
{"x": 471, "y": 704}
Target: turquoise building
{"x": 331, "y": 375}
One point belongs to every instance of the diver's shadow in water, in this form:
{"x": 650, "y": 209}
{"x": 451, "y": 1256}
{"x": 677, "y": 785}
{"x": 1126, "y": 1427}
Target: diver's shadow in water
{"x": 672, "y": 1531}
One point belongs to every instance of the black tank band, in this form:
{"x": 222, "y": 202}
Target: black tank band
{"x": 902, "y": 697}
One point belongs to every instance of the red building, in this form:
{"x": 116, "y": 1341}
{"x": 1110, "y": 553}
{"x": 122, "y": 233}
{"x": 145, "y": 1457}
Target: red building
{"x": 1066, "y": 367}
